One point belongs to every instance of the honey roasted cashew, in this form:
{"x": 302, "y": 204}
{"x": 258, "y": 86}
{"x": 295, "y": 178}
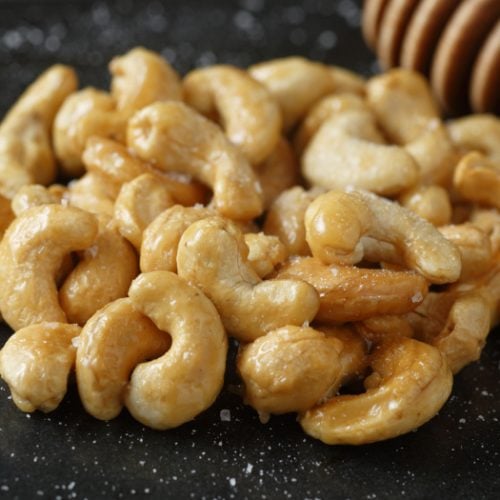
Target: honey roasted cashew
{"x": 289, "y": 369}
{"x": 410, "y": 383}
{"x": 296, "y": 83}
{"x": 139, "y": 202}
{"x": 141, "y": 77}
{"x": 249, "y": 307}
{"x": 31, "y": 253}
{"x": 431, "y": 202}
{"x": 347, "y": 150}
{"x": 103, "y": 274}
{"x": 112, "y": 343}
{"x": 114, "y": 163}
{"x": 353, "y": 294}
{"x": 26, "y": 155}
{"x": 247, "y": 111}
{"x": 36, "y": 362}
{"x": 174, "y": 137}
{"x": 185, "y": 381}
{"x": 337, "y": 222}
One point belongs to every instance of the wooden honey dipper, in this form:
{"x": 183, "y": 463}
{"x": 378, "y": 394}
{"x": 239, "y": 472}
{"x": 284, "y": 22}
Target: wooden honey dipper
{"x": 455, "y": 43}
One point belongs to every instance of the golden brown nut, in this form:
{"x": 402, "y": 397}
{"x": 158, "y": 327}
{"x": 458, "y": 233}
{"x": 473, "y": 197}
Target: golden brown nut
{"x": 36, "y": 362}
{"x": 91, "y": 194}
{"x": 31, "y": 253}
{"x": 432, "y": 203}
{"x": 289, "y": 369}
{"x": 248, "y": 113}
{"x": 34, "y": 195}
{"x": 174, "y": 137}
{"x": 249, "y": 307}
{"x": 264, "y": 253}
{"x": 410, "y": 383}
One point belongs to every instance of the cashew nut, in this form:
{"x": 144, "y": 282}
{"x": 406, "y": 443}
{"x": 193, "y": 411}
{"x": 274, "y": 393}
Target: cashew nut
{"x": 139, "y": 202}
{"x": 410, "y": 383}
{"x": 103, "y": 274}
{"x": 353, "y": 294}
{"x": 250, "y": 116}
{"x": 112, "y": 343}
{"x": 432, "y": 203}
{"x": 264, "y": 253}
{"x": 90, "y": 193}
{"x": 249, "y": 307}
{"x": 336, "y": 223}
{"x": 174, "y": 388}
{"x": 296, "y": 83}
{"x": 289, "y": 369}
{"x": 26, "y": 155}
{"x": 31, "y": 253}
{"x": 34, "y": 195}
{"x": 174, "y": 137}
{"x": 36, "y": 362}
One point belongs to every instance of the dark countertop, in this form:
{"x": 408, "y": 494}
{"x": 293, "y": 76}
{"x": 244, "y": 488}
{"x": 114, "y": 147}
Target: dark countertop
{"x": 68, "y": 454}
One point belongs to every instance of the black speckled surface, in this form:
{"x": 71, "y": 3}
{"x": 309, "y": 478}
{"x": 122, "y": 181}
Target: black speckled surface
{"x": 68, "y": 454}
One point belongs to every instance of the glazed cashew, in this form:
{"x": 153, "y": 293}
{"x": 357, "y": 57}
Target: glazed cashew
{"x": 432, "y": 203}
{"x": 488, "y": 220}
{"x": 174, "y": 137}
{"x": 249, "y": 114}
{"x": 337, "y": 222}
{"x": 112, "y": 343}
{"x": 295, "y": 83}
{"x": 264, "y": 253}
{"x": 103, "y": 274}
{"x": 34, "y": 195}
{"x": 347, "y": 150}
{"x": 90, "y": 193}
{"x": 141, "y": 77}
{"x": 139, "y": 202}
{"x": 185, "y": 381}
{"x": 479, "y": 132}
{"x": 380, "y": 329}
{"x": 354, "y": 294}
{"x": 36, "y": 362}
{"x": 249, "y": 307}
{"x": 26, "y": 155}
{"x": 160, "y": 239}
{"x": 114, "y": 164}
{"x": 410, "y": 383}
{"x": 289, "y": 369}
{"x": 477, "y": 179}
{"x": 31, "y": 253}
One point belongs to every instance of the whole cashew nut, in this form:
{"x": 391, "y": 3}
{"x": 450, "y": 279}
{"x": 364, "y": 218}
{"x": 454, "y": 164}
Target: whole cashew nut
{"x": 174, "y": 137}
{"x": 174, "y": 388}
{"x": 336, "y": 223}
{"x": 26, "y": 155}
{"x": 410, "y": 383}
{"x": 112, "y": 343}
{"x": 36, "y": 362}
{"x": 249, "y": 307}
{"x": 31, "y": 253}
{"x": 249, "y": 114}
{"x": 103, "y": 274}
{"x": 289, "y": 369}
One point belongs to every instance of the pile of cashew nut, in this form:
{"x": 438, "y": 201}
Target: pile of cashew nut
{"x": 343, "y": 234}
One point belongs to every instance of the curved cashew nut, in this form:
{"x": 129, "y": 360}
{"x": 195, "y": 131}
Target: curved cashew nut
{"x": 34, "y": 195}
{"x": 477, "y": 179}
{"x": 141, "y": 77}
{"x": 289, "y": 369}
{"x": 31, "y": 253}
{"x": 354, "y": 294}
{"x": 139, "y": 202}
{"x": 26, "y": 155}
{"x": 336, "y": 223}
{"x": 264, "y": 253}
{"x": 250, "y": 116}
{"x": 410, "y": 383}
{"x": 36, "y": 362}
{"x": 285, "y": 218}
{"x": 248, "y": 306}
{"x": 103, "y": 274}
{"x": 186, "y": 380}
{"x": 114, "y": 163}
{"x": 480, "y": 132}
{"x": 174, "y": 137}
{"x": 296, "y": 83}
{"x": 432, "y": 203}
{"x": 347, "y": 150}
{"x": 112, "y": 343}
